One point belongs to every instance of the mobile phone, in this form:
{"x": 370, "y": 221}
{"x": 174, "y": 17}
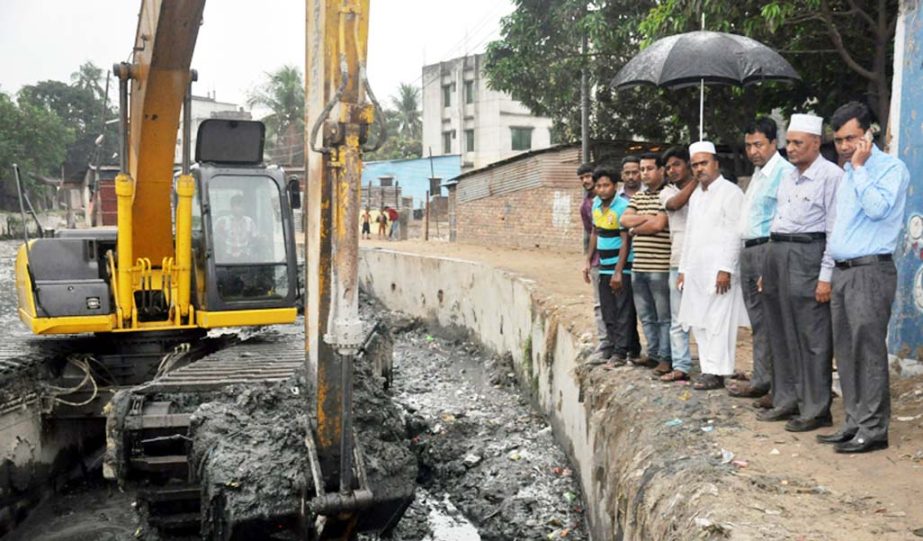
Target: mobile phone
{"x": 868, "y": 136}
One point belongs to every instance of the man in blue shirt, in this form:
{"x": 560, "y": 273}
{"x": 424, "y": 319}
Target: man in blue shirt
{"x": 755, "y": 220}
{"x": 609, "y": 242}
{"x": 869, "y": 211}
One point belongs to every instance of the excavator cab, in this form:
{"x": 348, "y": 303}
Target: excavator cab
{"x": 243, "y": 235}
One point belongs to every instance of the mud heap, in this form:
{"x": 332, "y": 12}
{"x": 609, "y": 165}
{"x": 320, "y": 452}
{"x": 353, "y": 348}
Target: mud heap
{"x": 248, "y": 451}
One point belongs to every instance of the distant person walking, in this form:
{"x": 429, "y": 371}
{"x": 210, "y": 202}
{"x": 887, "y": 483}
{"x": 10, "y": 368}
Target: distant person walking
{"x": 382, "y": 223}
{"x": 394, "y": 218}
{"x": 366, "y": 224}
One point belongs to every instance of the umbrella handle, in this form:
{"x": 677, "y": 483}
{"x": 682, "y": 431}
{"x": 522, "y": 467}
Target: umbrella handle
{"x": 701, "y": 109}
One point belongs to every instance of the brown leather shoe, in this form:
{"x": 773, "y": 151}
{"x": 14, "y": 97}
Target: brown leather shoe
{"x": 745, "y": 390}
{"x": 764, "y": 403}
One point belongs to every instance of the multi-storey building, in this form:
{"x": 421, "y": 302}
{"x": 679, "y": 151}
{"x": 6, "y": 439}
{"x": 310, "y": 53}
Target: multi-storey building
{"x": 461, "y": 115}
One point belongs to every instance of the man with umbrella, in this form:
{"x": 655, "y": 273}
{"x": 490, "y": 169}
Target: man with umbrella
{"x": 796, "y": 283}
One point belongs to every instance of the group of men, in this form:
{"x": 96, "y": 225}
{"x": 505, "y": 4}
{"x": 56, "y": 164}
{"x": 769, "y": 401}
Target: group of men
{"x": 805, "y": 255}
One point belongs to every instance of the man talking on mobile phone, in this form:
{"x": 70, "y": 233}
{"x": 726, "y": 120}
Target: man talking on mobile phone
{"x": 869, "y": 212}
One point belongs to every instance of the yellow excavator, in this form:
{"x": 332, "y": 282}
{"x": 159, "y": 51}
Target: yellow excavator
{"x": 184, "y": 256}
{"x": 212, "y": 243}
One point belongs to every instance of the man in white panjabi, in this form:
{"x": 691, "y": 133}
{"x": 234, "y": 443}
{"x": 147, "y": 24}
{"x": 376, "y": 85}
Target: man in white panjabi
{"x": 712, "y": 305}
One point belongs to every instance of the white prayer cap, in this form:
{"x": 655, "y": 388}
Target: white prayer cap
{"x": 806, "y": 124}
{"x": 702, "y": 146}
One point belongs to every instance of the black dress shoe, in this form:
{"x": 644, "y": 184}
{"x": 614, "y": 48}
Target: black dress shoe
{"x": 860, "y": 445}
{"x": 806, "y": 425}
{"x": 836, "y": 437}
{"x": 776, "y": 414}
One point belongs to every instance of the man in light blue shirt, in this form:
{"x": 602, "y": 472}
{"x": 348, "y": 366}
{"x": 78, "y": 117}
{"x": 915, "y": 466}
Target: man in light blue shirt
{"x": 796, "y": 283}
{"x": 755, "y": 220}
{"x": 869, "y": 214}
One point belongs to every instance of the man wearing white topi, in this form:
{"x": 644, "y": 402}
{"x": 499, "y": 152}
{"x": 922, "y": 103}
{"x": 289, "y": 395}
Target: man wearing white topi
{"x": 712, "y": 305}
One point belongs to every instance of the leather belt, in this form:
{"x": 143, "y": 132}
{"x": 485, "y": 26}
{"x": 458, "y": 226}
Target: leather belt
{"x": 755, "y": 242}
{"x": 864, "y": 260}
{"x": 803, "y": 238}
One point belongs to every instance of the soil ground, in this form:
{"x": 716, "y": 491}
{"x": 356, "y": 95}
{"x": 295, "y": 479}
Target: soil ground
{"x": 808, "y": 491}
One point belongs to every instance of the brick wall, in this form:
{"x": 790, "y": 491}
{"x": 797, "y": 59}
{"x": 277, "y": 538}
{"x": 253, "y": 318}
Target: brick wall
{"x": 542, "y": 217}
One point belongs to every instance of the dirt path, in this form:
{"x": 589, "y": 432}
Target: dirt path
{"x": 810, "y": 491}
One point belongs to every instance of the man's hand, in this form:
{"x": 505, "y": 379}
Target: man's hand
{"x": 616, "y": 282}
{"x": 822, "y": 293}
{"x": 586, "y": 273}
{"x": 862, "y": 153}
{"x": 723, "y": 282}
{"x": 680, "y": 281}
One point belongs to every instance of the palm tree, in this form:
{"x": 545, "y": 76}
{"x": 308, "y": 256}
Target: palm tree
{"x": 283, "y": 95}
{"x": 407, "y": 108}
{"x": 87, "y": 77}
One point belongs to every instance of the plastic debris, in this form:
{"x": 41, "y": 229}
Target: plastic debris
{"x": 570, "y": 496}
{"x": 471, "y": 460}
{"x": 708, "y": 428}
{"x": 740, "y": 463}
{"x": 775, "y": 452}
{"x": 726, "y": 456}
{"x": 673, "y": 422}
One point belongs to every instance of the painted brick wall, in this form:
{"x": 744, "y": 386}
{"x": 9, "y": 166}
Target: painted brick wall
{"x": 543, "y": 217}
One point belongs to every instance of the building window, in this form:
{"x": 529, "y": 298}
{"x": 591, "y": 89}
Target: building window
{"x": 522, "y": 138}
{"x": 469, "y": 140}
{"x": 447, "y": 137}
{"x": 446, "y": 95}
{"x": 469, "y": 91}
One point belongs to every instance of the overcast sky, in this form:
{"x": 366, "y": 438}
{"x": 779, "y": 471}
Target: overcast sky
{"x": 239, "y": 41}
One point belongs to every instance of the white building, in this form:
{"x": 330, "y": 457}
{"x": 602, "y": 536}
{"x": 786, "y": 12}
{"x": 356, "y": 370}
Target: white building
{"x": 461, "y": 115}
{"x": 203, "y": 108}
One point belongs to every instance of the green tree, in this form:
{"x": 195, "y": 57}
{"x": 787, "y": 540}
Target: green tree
{"x": 283, "y": 94}
{"x": 83, "y": 111}
{"x": 33, "y": 137}
{"x": 404, "y": 126}
{"x": 88, "y": 77}
{"x": 406, "y": 105}
{"x": 539, "y": 60}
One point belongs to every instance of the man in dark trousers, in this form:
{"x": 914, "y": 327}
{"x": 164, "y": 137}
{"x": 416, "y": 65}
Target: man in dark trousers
{"x": 609, "y": 241}
{"x": 796, "y": 283}
{"x": 869, "y": 214}
{"x": 591, "y": 275}
{"x": 755, "y": 220}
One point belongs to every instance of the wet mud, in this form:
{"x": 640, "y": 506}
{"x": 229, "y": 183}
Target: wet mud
{"x": 489, "y": 466}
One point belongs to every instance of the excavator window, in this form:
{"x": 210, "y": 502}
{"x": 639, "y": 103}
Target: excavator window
{"x": 248, "y": 237}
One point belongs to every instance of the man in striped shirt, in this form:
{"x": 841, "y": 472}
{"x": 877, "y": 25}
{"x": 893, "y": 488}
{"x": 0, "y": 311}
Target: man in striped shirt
{"x": 646, "y": 221}
{"x": 609, "y": 242}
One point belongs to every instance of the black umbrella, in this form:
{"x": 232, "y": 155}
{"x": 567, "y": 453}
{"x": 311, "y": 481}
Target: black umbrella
{"x": 704, "y": 57}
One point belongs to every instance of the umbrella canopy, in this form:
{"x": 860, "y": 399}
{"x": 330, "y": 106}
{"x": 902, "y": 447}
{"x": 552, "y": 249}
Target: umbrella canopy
{"x": 710, "y": 57}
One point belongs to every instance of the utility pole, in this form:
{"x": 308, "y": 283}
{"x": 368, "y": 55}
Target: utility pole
{"x": 584, "y": 106}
